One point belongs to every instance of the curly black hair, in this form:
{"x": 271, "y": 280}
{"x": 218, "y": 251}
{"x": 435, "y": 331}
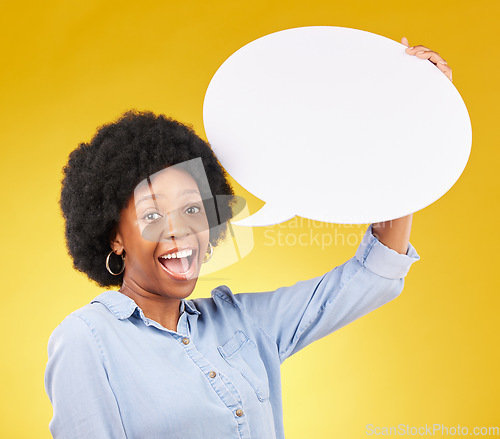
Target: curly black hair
{"x": 101, "y": 175}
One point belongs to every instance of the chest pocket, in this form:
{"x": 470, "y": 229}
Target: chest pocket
{"x": 242, "y": 354}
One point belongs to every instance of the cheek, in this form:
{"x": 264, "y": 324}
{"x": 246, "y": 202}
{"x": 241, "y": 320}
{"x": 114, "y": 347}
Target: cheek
{"x": 206, "y": 231}
{"x": 141, "y": 253}
{"x": 200, "y": 226}
{"x": 206, "y": 236}
{"x": 203, "y": 238}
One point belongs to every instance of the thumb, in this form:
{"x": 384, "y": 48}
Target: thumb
{"x": 404, "y": 41}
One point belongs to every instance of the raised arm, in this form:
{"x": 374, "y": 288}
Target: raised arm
{"x": 295, "y": 316}
{"x": 395, "y": 234}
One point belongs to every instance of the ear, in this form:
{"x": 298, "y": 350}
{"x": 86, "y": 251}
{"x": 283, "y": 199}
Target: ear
{"x": 116, "y": 241}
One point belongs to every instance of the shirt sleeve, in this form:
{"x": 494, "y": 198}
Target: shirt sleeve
{"x": 297, "y": 315}
{"x": 83, "y": 402}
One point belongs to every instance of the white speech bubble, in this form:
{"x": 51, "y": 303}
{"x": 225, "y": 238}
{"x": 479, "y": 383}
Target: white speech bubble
{"x": 337, "y": 125}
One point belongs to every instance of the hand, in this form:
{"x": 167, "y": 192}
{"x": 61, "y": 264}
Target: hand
{"x": 426, "y": 53}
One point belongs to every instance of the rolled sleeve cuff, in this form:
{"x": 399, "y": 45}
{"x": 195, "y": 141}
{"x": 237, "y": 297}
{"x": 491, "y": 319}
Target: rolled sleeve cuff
{"x": 383, "y": 260}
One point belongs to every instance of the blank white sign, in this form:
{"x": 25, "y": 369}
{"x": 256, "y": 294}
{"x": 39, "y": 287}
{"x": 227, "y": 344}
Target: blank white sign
{"x": 337, "y": 125}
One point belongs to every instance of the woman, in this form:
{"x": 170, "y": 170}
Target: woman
{"x": 146, "y": 362}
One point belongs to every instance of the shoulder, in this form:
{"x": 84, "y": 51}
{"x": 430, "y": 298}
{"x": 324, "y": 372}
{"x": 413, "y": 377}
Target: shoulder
{"x": 222, "y": 300}
{"x": 73, "y": 328}
{"x": 85, "y": 322}
{"x": 72, "y": 338}
{"x": 241, "y": 308}
{"x": 224, "y": 306}
{"x": 224, "y": 296}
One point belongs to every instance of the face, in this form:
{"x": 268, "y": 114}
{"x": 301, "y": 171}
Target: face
{"x": 164, "y": 234}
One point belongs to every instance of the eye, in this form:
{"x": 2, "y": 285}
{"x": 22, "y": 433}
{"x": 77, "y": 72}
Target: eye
{"x": 151, "y": 217}
{"x": 191, "y": 210}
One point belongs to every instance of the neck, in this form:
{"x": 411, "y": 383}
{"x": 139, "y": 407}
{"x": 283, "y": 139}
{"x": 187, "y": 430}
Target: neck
{"x": 163, "y": 310}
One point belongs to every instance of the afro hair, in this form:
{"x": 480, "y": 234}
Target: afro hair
{"x": 101, "y": 175}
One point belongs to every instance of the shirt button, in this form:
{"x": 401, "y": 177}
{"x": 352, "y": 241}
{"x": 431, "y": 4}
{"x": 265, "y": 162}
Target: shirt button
{"x": 239, "y": 412}
{"x": 185, "y": 340}
{"x": 212, "y": 374}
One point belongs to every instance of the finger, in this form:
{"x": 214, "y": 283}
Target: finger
{"x": 443, "y": 68}
{"x": 446, "y": 70}
{"x": 448, "y": 74}
{"x": 404, "y": 41}
{"x": 434, "y": 57}
{"x": 424, "y": 52}
{"x": 414, "y": 49}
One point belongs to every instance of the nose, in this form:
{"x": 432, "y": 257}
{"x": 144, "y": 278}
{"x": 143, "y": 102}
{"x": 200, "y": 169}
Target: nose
{"x": 176, "y": 227}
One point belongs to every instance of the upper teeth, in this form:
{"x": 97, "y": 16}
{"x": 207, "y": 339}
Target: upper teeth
{"x": 181, "y": 254}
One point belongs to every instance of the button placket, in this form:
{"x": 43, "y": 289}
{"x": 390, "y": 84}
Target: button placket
{"x": 219, "y": 382}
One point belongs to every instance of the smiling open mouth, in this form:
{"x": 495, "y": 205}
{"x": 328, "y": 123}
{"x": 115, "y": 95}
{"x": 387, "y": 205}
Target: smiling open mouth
{"x": 179, "y": 264}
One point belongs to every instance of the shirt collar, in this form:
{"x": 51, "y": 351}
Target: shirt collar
{"x": 122, "y": 306}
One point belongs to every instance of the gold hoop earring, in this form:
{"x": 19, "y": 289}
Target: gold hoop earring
{"x": 210, "y": 253}
{"x": 109, "y": 269}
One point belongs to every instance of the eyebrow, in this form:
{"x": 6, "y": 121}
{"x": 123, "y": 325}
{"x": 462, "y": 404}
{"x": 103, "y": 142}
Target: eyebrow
{"x": 155, "y": 196}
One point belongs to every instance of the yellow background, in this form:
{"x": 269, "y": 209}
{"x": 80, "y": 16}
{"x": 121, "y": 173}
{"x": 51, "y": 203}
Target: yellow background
{"x": 430, "y": 356}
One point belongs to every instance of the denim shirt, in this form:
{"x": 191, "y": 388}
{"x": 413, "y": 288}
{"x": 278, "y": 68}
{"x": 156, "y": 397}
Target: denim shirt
{"x": 114, "y": 373}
